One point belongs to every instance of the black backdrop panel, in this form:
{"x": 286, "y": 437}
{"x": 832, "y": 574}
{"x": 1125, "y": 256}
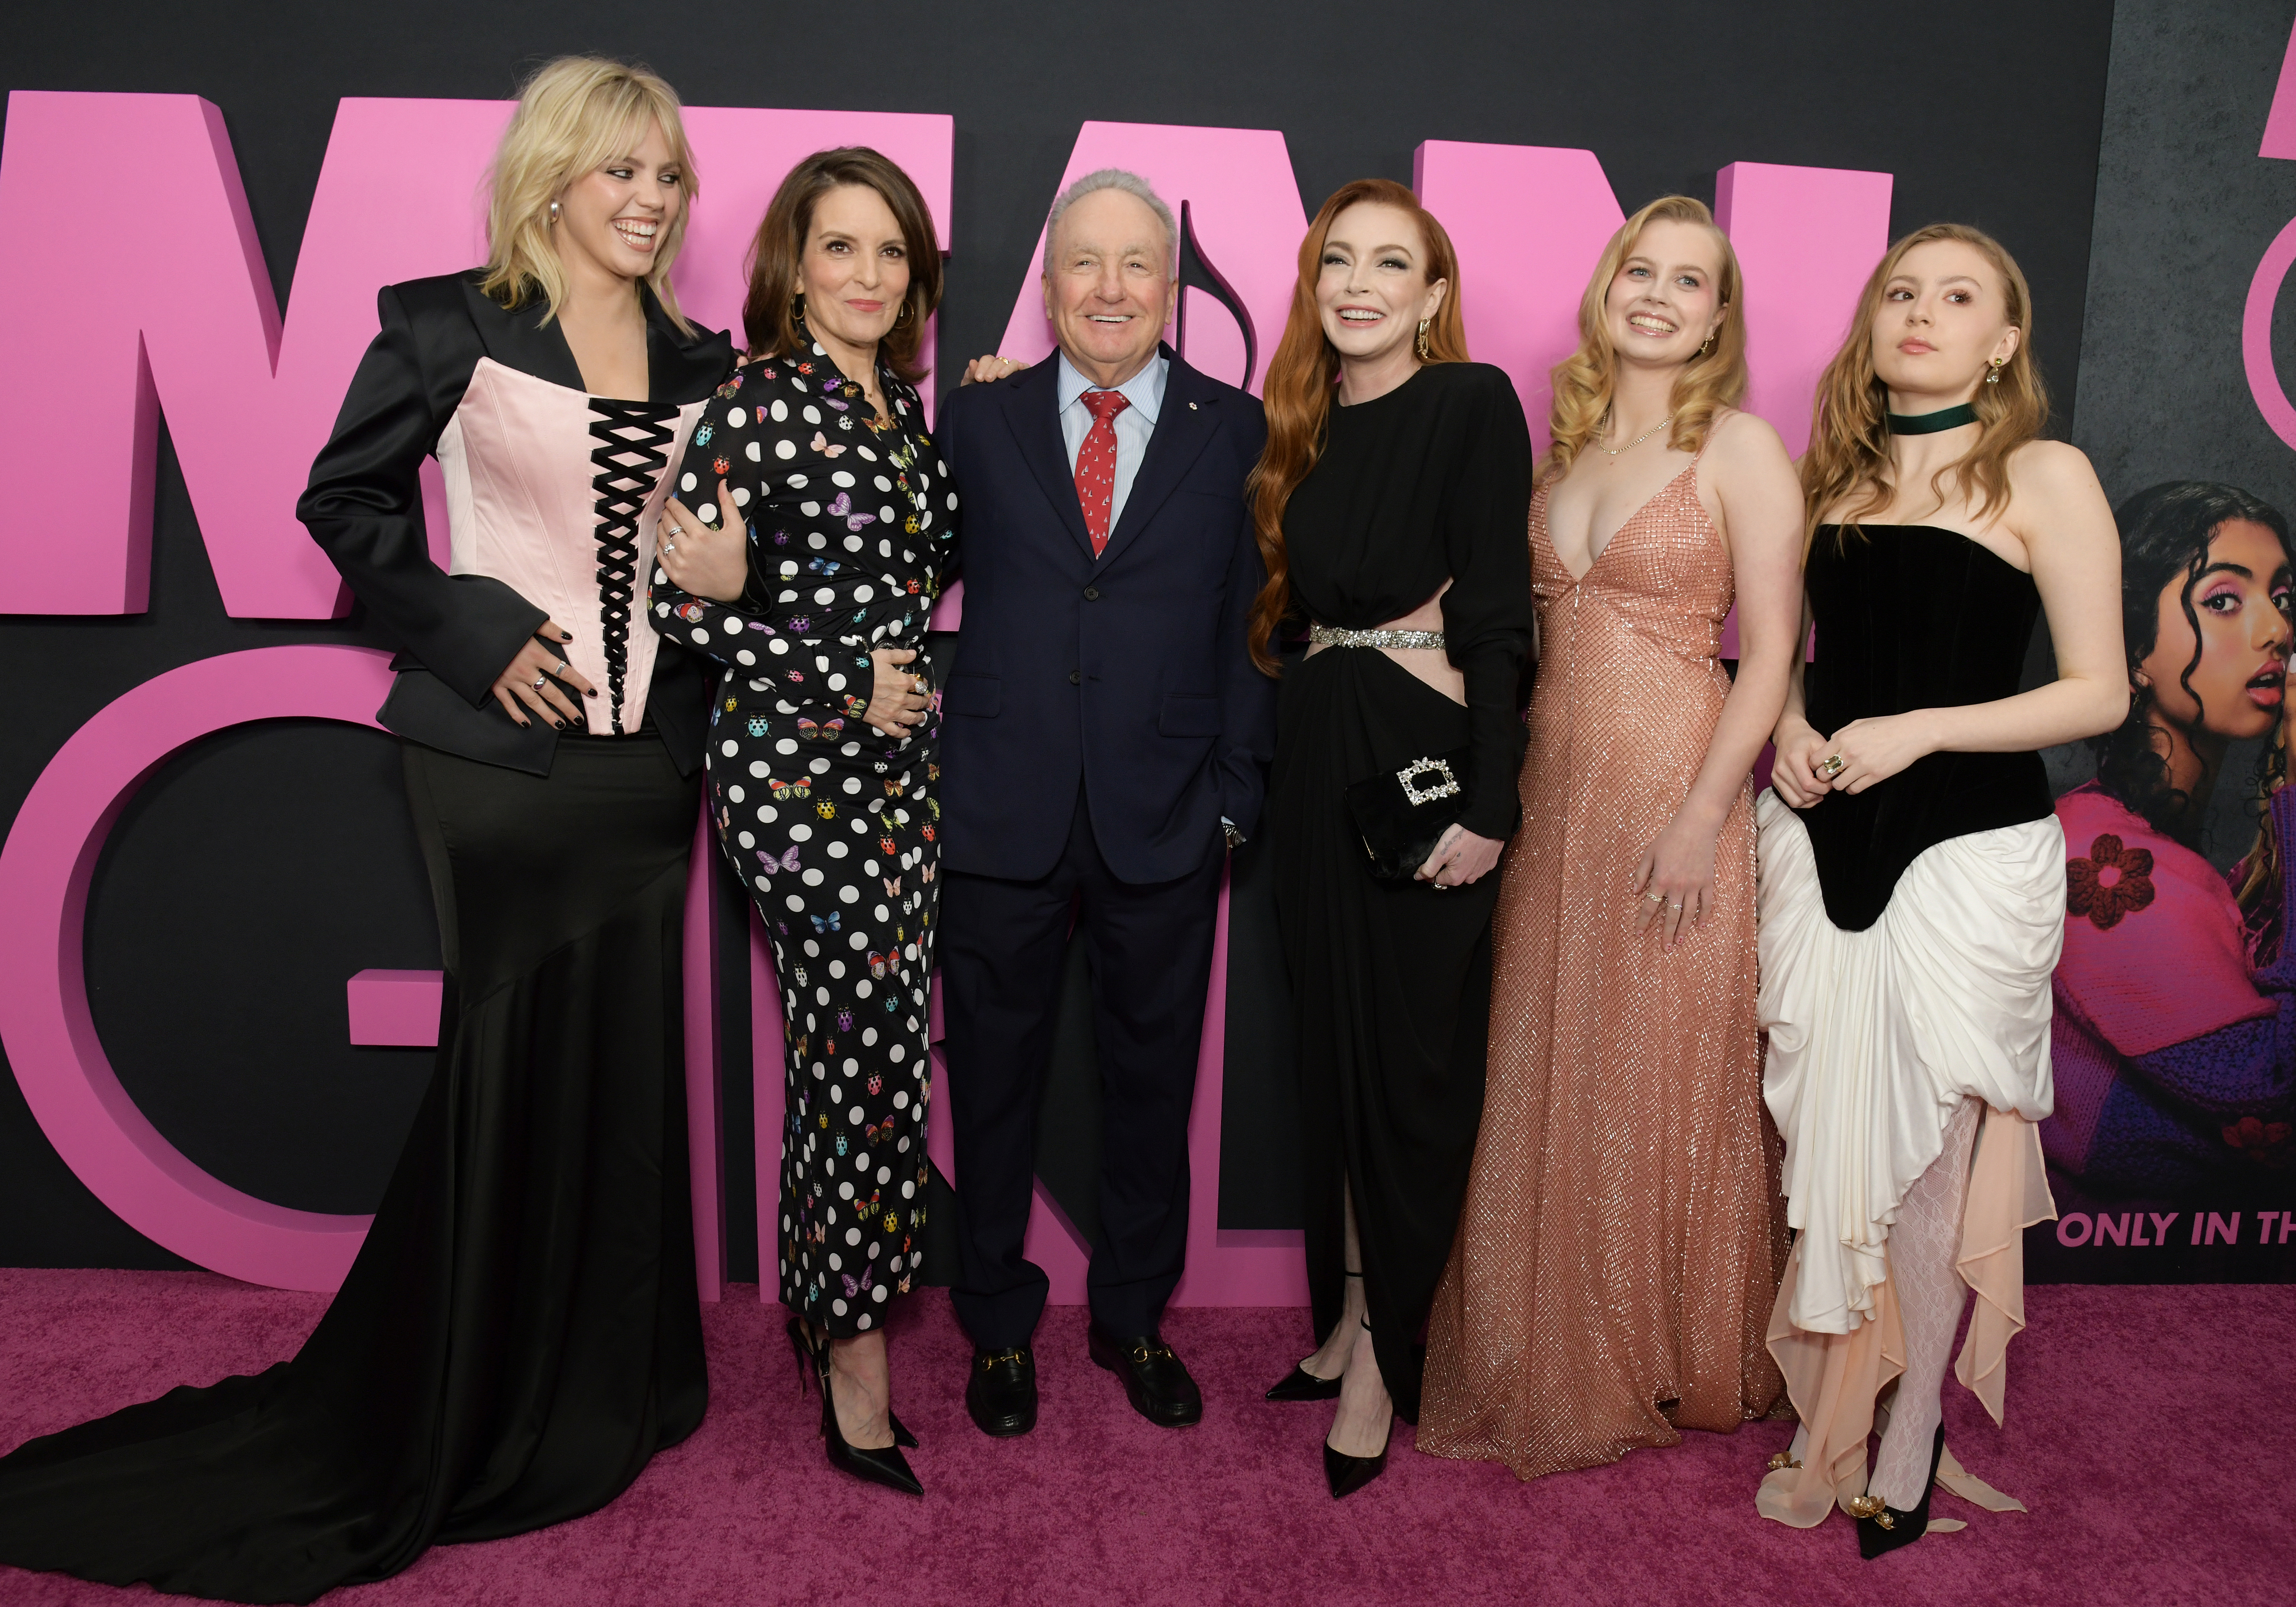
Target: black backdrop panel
{"x": 223, "y": 897}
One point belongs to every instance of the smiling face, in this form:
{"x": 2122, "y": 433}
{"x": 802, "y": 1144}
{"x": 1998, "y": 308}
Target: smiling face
{"x": 1944, "y": 318}
{"x": 1666, "y": 297}
{"x": 855, "y": 271}
{"x": 1372, "y": 288}
{"x": 615, "y": 216}
{"x": 1110, "y": 292}
{"x": 2242, "y": 601}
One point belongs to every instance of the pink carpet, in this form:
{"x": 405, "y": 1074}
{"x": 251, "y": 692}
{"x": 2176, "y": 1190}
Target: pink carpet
{"x": 2147, "y": 1432}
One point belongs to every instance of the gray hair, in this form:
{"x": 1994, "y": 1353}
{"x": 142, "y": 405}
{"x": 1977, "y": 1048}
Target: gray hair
{"x": 1113, "y": 178}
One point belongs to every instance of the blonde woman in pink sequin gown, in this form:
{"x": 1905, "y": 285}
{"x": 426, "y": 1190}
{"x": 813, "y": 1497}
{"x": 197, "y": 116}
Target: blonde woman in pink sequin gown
{"x": 1622, "y": 1236}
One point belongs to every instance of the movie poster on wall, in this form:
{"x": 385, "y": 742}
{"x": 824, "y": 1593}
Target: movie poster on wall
{"x": 2170, "y": 1153}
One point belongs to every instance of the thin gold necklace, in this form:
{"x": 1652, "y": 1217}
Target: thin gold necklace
{"x": 1612, "y": 452}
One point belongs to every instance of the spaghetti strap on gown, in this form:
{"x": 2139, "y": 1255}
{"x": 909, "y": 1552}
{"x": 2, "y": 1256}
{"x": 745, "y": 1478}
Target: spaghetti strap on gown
{"x": 1622, "y": 1234}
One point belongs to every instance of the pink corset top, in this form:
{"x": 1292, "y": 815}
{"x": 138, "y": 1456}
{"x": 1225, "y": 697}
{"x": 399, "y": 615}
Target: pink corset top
{"x": 556, "y": 495}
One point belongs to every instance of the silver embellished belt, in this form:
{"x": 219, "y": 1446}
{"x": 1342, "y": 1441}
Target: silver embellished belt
{"x": 1328, "y": 636}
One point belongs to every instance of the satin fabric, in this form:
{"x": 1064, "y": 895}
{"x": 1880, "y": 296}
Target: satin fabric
{"x": 1834, "y": 1380}
{"x": 521, "y": 502}
{"x": 364, "y": 506}
{"x": 521, "y": 1331}
{"x": 1875, "y": 1035}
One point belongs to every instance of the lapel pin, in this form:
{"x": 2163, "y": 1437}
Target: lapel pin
{"x": 1192, "y": 406}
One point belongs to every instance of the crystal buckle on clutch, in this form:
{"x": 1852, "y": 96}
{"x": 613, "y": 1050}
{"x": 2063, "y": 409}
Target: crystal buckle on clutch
{"x": 1418, "y": 767}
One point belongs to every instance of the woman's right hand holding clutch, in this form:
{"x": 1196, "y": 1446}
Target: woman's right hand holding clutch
{"x": 1794, "y": 767}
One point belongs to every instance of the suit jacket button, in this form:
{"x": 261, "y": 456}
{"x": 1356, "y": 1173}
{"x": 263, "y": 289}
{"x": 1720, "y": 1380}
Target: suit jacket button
{"x": 1076, "y": 678}
{"x": 1092, "y": 594}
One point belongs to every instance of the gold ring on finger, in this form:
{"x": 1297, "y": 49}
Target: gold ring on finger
{"x": 1830, "y": 766}
{"x": 1653, "y": 898}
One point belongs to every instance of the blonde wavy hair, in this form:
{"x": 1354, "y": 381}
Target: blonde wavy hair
{"x": 1846, "y": 472}
{"x": 575, "y": 114}
{"x": 1709, "y": 384}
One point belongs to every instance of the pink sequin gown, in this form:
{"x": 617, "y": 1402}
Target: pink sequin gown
{"x": 1623, "y": 1234}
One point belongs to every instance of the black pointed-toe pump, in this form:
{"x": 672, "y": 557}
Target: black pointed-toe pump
{"x": 886, "y": 1465}
{"x": 1882, "y": 1528}
{"x": 1348, "y": 1474}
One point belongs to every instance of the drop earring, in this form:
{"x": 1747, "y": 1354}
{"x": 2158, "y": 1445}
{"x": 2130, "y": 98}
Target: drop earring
{"x": 1993, "y": 374}
{"x": 553, "y": 214}
{"x": 1423, "y": 341}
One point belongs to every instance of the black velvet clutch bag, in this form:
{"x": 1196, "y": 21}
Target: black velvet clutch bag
{"x": 1402, "y": 813}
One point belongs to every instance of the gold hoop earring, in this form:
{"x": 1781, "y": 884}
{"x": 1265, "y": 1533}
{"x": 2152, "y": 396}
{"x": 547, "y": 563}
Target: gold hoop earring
{"x": 1424, "y": 353}
{"x": 797, "y": 308}
{"x": 909, "y": 313}
{"x": 1994, "y": 376}
{"x": 553, "y": 214}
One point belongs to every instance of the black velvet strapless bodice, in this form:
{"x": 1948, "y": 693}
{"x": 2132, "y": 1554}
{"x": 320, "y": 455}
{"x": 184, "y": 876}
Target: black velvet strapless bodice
{"x": 1913, "y": 617}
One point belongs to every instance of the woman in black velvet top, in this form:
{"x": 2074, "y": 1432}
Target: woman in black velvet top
{"x": 1913, "y": 876}
{"x": 1390, "y": 500}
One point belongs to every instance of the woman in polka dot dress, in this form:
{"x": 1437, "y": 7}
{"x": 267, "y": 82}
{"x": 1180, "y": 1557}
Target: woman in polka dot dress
{"x": 803, "y": 551}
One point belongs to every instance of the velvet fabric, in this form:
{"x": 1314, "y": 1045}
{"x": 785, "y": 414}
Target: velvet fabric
{"x": 1912, "y": 617}
{"x": 519, "y": 1333}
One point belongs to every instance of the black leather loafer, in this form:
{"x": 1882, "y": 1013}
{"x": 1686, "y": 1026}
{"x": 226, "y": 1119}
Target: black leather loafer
{"x": 1158, "y": 1385}
{"x": 1001, "y": 1392}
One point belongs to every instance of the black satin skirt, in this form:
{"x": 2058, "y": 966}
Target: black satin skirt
{"x": 1390, "y": 1000}
{"x": 521, "y": 1331}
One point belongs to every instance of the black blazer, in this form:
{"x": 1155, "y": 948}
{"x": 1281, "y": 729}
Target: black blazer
{"x": 365, "y": 507}
{"x": 1129, "y": 674}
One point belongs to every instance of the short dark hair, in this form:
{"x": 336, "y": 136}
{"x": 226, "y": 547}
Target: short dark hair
{"x": 769, "y": 320}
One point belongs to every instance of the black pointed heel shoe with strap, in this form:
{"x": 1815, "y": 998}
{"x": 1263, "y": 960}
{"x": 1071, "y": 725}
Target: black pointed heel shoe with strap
{"x": 882, "y": 1465}
{"x": 1348, "y": 1474}
{"x": 901, "y": 1435}
{"x": 1299, "y": 1384}
{"x": 1882, "y": 1528}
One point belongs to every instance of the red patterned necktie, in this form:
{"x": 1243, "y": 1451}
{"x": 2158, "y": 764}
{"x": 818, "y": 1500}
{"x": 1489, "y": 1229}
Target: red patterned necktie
{"x": 1096, "y": 464}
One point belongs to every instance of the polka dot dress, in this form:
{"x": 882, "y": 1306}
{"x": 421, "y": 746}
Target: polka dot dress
{"x": 830, "y": 823}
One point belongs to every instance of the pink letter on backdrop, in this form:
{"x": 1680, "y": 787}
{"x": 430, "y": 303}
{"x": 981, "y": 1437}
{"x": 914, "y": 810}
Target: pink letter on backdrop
{"x": 248, "y": 405}
{"x": 1807, "y": 238}
{"x": 2256, "y": 334}
{"x": 1528, "y": 223}
{"x": 1245, "y": 203}
{"x": 2280, "y": 125}
{"x": 50, "y": 1037}
{"x": 396, "y": 1008}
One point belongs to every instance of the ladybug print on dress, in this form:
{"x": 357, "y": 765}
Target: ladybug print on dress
{"x": 850, "y": 521}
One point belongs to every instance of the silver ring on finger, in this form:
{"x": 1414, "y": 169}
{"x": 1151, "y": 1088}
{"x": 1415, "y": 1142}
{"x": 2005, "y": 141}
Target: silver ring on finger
{"x": 1674, "y": 904}
{"x": 540, "y": 682}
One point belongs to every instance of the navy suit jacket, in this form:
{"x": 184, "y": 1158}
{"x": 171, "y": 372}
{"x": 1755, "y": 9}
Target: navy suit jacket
{"x": 1128, "y": 673}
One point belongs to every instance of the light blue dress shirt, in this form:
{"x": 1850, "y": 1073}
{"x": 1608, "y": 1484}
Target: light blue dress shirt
{"x": 1146, "y": 392}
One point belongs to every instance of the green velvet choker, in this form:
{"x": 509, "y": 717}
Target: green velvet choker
{"x": 1930, "y": 424}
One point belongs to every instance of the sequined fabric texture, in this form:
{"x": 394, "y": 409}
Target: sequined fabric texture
{"x": 1623, "y": 1234}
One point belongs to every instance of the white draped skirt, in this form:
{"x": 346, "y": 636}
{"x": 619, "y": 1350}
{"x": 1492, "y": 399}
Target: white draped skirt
{"x": 1876, "y": 1036}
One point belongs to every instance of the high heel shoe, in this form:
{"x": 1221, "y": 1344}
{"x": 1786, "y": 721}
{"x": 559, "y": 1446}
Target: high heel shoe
{"x": 1348, "y": 1474}
{"x": 1299, "y": 1384}
{"x": 1882, "y": 1528}
{"x": 882, "y": 1465}
{"x": 901, "y": 1435}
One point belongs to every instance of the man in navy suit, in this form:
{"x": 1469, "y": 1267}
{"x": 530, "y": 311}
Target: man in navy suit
{"x": 1104, "y": 741}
